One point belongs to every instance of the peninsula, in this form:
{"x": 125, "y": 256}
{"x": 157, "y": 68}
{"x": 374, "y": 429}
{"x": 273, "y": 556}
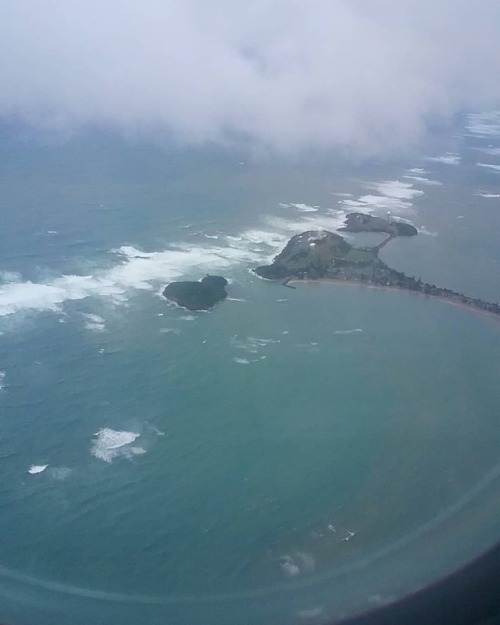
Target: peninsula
{"x": 324, "y": 255}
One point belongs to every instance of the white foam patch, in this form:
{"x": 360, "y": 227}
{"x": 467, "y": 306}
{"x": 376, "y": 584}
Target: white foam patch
{"x": 169, "y": 331}
{"x": 241, "y": 361}
{"x": 252, "y": 344}
{"x": 2, "y": 379}
{"x": 284, "y": 227}
{"x": 485, "y": 124}
{"x": 10, "y": 276}
{"x": 490, "y": 151}
{"x": 59, "y": 473}
{"x": 37, "y": 468}
{"x": 422, "y": 180}
{"x": 393, "y": 195}
{"x": 489, "y": 195}
{"x": 136, "y": 270}
{"x": 94, "y": 322}
{"x": 489, "y": 166}
{"x": 110, "y": 444}
{"x": 450, "y": 158}
{"x": 341, "y": 194}
{"x": 353, "y": 331}
{"x": 297, "y": 564}
{"x": 305, "y": 208}
{"x": 423, "y": 230}
{"x": 351, "y": 203}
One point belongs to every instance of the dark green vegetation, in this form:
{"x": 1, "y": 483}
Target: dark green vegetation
{"x": 195, "y": 295}
{"x": 359, "y": 222}
{"x": 324, "y": 255}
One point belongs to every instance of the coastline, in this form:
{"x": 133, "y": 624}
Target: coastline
{"x": 332, "y": 281}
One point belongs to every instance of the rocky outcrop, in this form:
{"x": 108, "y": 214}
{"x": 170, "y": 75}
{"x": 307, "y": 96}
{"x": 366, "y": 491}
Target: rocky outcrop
{"x": 309, "y": 254}
{"x": 197, "y": 295}
{"x": 360, "y": 222}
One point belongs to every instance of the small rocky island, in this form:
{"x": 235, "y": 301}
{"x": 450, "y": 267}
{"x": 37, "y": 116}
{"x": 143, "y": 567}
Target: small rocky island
{"x": 197, "y": 295}
{"x": 323, "y": 255}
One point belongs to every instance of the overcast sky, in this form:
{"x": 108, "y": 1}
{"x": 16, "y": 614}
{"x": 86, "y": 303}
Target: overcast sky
{"x": 361, "y": 75}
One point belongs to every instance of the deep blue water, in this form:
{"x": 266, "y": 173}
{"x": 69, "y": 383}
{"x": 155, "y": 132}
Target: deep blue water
{"x": 290, "y": 452}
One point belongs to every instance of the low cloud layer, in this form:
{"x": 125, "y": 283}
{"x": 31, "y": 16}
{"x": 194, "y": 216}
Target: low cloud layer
{"x": 359, "y": 75}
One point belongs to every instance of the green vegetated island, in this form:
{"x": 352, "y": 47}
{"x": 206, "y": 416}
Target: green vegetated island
{"x": 323, "y": 255}
{"x": 197, "y": 294}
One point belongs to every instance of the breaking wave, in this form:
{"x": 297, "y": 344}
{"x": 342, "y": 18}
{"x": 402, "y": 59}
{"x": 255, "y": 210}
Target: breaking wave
{"x": 110, "y": 444}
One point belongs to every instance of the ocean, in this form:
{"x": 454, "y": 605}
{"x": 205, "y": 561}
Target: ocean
{"x": 291, "y": 455}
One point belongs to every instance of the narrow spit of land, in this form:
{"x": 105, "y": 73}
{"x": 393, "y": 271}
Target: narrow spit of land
{"x": 323, "y": 255}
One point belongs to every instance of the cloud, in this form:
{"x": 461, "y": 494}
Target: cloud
{"x": 360, "y": 75}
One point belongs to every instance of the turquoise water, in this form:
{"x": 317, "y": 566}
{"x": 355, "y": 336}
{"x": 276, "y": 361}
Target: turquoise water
{"x": 316, "y": 451}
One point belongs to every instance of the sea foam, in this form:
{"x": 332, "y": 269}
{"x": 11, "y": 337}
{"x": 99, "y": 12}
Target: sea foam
{"x": 489, "y": 166}
{"x": 450, "y": 158}
{"x": 37, "y": 468}
{"x": 109, "y": 444}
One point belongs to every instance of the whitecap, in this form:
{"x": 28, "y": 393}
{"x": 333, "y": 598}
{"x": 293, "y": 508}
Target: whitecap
{"x": 353, "y": 331}
{"x": 423, "y": 180}
{"x": 289, "y": 567}
{"x": 450, "y": 158}
{"x": 252, "y": 343}
{"x": 241, "y": 361}
{"x": 109, "y": 444}
{"x": 169, "y": 331}
{"x": 94, "y": 322}
{"x": 305, "y": 208}
{"x": 423, "y": 230}
{"x": 489, "y": 195}
{"x": 2, "y": 379}
{"x": 393, "y": 195}
{"x": 489, "y": 166}
{"x": 484, "y": 124}
{"x": 10, "y": 276}
{"x": 37, "y": 468}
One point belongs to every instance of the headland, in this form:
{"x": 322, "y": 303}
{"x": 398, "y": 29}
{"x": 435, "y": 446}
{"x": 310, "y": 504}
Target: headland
{"x": 324, "y": 255}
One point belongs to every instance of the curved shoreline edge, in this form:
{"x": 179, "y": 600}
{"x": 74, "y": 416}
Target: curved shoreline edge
{"x": 369, "y": 285}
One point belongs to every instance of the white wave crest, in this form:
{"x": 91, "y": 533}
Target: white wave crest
{"x": 136, "y": 270}
{"x": 94, "y": 322}
{"x": 450, "y": 158}
{"x": 489, "y": 195}
{"x": 393, "y": 195}
{"x": 2, "y": 379}
{"x": 251, "y": 344}
{"x": 305, "y": 208}
{"x": 423, "y": 230}
{"x": 489, "y": 166}
{"x": 109, "y": 444}
{"x": 485, "y": 124}
{"x": 37, "y": 468}
{"x": 241, "y": 361}
{"x": 353, "y": 331}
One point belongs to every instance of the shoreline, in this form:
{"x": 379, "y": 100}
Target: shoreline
{"x": 368, "y": 285}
